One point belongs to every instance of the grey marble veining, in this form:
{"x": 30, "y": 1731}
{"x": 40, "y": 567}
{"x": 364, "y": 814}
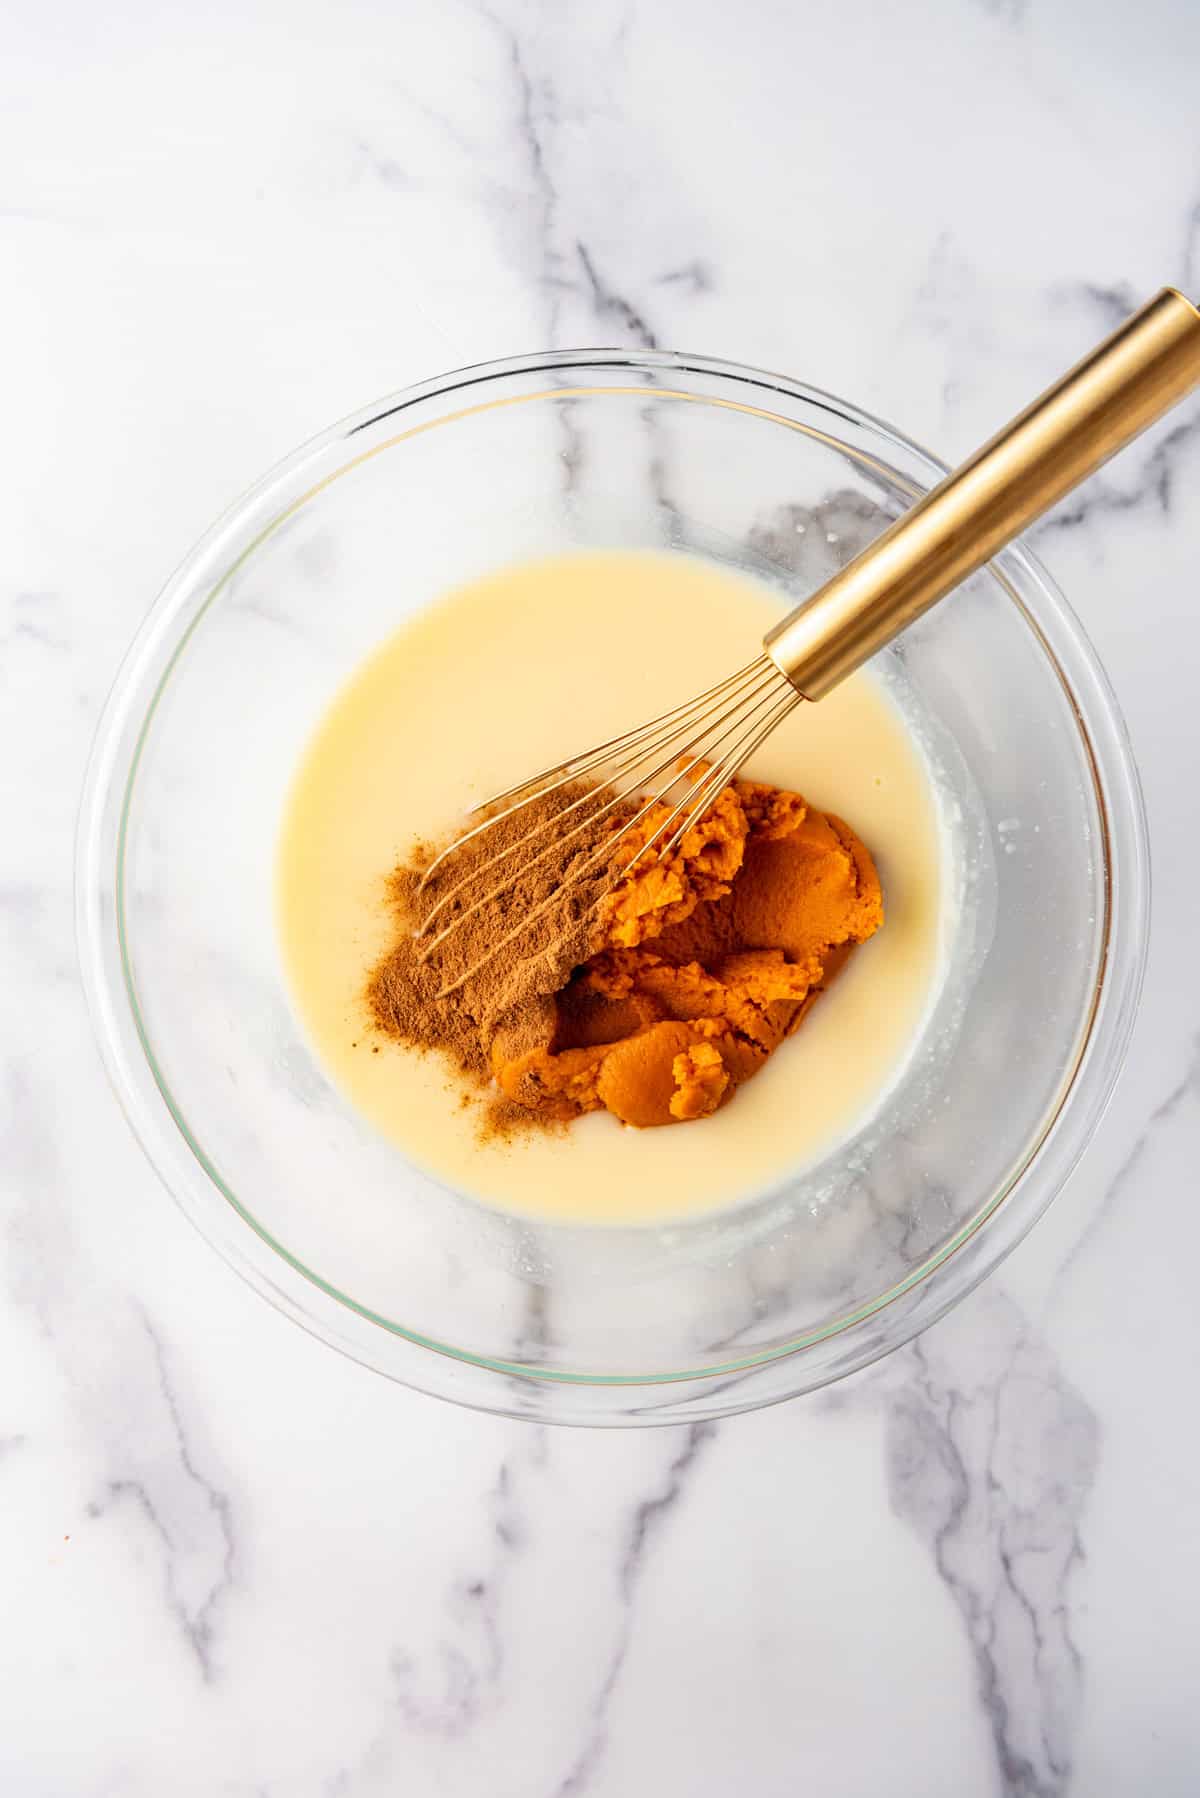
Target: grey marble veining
{"x": 991, "y": 1460}
{"x": 235, "y": 1563}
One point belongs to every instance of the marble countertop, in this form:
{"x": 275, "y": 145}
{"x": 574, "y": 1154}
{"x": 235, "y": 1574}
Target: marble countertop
{"x": 233, "y": 1563}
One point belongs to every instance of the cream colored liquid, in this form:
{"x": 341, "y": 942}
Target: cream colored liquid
{"x": 501, "y": 678}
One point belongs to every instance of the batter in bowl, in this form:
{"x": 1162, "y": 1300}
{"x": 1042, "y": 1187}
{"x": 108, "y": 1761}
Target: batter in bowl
{"x": 510, "y": 673}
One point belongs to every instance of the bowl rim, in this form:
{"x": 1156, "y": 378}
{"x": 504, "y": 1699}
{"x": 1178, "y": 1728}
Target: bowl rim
{"x": 178, "y": 1157}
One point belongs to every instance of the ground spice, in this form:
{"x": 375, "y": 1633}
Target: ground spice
{"x": 553, "y": 899}
{"x": 572, "y": 1011}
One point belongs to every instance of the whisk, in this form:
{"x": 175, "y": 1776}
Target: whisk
{"x": 681, "y": 760}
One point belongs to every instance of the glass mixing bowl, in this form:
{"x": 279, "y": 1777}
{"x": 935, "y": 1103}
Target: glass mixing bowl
{"x": 286, "y": 596}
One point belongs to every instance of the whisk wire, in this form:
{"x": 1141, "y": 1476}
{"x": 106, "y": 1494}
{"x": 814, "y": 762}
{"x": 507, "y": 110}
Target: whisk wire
{"x": 712, "y": 780}
{"x": 670, "y": 761}
{"x": 575, "y": 765}
{"x": 725, "y": 772}
{"x": 748, "y": 707}
{"x": 540, "y": 784}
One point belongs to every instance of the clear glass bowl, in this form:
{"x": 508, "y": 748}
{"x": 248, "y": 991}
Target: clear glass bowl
{"x": 255, "y": 633}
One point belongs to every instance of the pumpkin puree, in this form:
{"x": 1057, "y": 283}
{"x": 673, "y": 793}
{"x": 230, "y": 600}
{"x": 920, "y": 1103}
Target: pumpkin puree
{"x": 701, "y": 965}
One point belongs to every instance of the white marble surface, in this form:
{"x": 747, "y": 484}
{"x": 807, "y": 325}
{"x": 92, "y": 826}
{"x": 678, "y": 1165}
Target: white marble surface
{"x": 232, "y": 1562}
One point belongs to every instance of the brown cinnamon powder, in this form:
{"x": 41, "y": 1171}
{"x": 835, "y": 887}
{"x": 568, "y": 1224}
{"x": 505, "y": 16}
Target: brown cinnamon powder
{"x": 550, "y": 905}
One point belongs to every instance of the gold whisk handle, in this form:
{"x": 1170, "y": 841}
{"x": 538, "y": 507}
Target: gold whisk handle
{"x": 1127, "y": 382}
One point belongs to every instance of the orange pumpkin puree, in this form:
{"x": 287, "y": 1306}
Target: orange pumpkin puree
{"x": 700, "y": 966}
